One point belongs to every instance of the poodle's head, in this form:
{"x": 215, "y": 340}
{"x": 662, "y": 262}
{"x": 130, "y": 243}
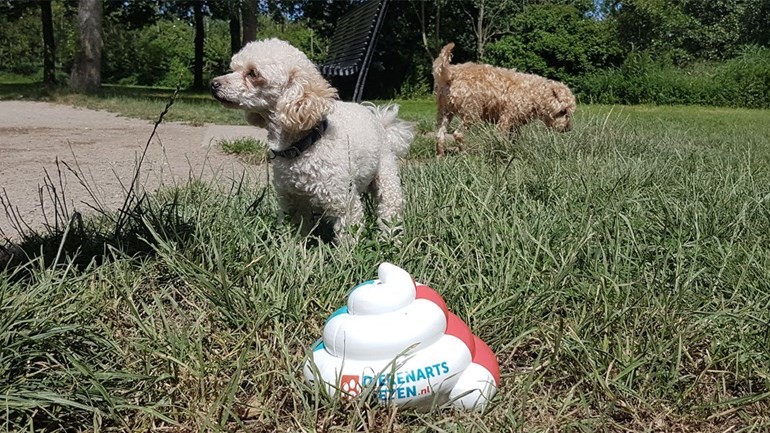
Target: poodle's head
{"x": 559, "y": 107}
{"x": 275, "y": 81}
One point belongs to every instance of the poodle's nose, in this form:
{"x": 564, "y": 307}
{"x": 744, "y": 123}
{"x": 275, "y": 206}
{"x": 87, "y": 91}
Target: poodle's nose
{"x": 215, "y": 85}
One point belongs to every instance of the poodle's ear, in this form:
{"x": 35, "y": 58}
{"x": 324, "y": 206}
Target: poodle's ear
{"x": 561, "y": 98}
{"x": 306, "y": 100}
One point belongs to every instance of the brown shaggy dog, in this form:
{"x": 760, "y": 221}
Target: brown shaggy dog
{"x": 476, "y": 92}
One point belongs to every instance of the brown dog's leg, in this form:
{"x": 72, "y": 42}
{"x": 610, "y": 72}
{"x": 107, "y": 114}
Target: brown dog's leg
{"x": 443, "y": 123}
{"x": 458, "y": 135}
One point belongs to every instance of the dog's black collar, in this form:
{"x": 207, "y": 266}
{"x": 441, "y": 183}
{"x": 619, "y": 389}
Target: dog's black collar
{"x": 304, "y": 143}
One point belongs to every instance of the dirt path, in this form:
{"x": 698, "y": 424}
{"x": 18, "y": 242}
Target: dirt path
{"x": 106, "y": 148}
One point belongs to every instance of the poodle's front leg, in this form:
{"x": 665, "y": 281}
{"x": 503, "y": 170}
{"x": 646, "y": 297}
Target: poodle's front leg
{"x": 297, "y": 212}
{"x": 390, "y": 199}
{"x": 458, "y": 135}
{"x": 346, "y": 217}
{"x": 508, "y": 128}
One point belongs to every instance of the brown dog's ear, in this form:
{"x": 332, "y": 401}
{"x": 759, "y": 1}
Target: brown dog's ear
{"x": 562, "y": 99}
{"x": 307, "y": 99}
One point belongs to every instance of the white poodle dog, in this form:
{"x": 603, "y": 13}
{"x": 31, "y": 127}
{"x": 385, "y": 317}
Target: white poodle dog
{"x": 327, "y": 152}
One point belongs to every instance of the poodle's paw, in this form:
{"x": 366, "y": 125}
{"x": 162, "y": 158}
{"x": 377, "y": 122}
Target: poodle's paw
{"x": 347, "y": 236}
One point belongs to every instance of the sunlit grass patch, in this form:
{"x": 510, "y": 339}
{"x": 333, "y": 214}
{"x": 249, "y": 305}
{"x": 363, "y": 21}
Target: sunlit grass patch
{"x": 247, "y": 148}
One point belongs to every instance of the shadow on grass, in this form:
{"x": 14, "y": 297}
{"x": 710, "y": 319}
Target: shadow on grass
{"x": 67, "y": 239}
{"x": 73, "y": 241}
{"x": 26, "y": 91}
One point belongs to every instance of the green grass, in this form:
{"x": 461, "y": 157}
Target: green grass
{"x": 195, "y": 107}
{"x": 247, "y": 148}
{"x": 620, "y": 272}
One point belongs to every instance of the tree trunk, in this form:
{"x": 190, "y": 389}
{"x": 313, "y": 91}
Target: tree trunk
{"x": 199, "y": 38}
{"x": 480, "y": 33}
{"x": 86, "y": 76}
{"x": 249, "y": 20}
{"x": 49, "y": 45}
{"x": 235, "y": 32}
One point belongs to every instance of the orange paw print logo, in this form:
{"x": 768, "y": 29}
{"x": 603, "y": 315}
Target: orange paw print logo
{"x": 350, "y": 386}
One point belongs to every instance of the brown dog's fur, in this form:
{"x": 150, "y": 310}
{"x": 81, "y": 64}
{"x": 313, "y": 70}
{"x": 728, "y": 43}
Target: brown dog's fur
{"x": 477, "y": 92}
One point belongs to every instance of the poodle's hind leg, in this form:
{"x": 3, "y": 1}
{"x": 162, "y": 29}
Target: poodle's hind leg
{"x": 386, "y": 188}
{"x": 444, "y": 118}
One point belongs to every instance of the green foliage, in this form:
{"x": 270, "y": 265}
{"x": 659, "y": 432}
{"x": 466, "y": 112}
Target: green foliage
{"x": 754, "y": 28}
{"x": 216, "y": 50}
{"x": 150, "y": 43}
{"x": 297, "y": 33}
{"x": 650, "y": 24}
{"x": 715, "y": 29}
{"x": 20, "y": 40}
{"x": 746, "y": 78}
{"x": 699, "y": 29}
{"x": 740, "y": 82}
{"x": 416, "y": 85}
{"x": 555, "y": 41}
{"x": 56, "y": 364}
{"x": 159, "y": 54}
{"x": 162, "y": 54}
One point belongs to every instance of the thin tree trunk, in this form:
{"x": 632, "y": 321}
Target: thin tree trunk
{"x": 249, "y": 20}
{"x": 480, "y": 33}
{"x": 49, "y": 45}
{"x": 199, "y": 38}
{"x": 235, "y": 32}
{"x": 438, "y": 25}
{"x": 86, "y": 76}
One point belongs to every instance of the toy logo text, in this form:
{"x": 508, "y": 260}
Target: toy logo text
{"x": 396, "y": 386}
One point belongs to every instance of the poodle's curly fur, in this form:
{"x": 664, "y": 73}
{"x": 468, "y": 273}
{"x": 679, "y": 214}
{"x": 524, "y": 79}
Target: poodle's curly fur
{"x": 477, "y": 92}
{"x": 280, "y": 89}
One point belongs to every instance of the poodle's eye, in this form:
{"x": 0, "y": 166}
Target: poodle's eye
{"x": 562, "y": 113}
{"x": 254, "y": 77}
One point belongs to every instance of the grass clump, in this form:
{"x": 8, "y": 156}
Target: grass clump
{"x": 249, "y": 149}
{"x": 619, "y": 272}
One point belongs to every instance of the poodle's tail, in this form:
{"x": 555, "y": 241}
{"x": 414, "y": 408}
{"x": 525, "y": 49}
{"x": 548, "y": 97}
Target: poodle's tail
{"x": 441, "y": 65}
{"x": 399, "y": 133}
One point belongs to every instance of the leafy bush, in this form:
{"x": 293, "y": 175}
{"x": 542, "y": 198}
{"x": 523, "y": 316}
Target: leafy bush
{"x": 555, "y": 41}
{"x": 159, "y": 54}
{"x": 296, "y": 33}
{"x": 740, "y": 82}
{"x": 746, "y": 78}
{"x": 416, "y": 85}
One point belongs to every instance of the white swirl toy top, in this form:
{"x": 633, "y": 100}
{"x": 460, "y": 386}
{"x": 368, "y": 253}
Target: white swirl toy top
{"x": 397, "y": 338}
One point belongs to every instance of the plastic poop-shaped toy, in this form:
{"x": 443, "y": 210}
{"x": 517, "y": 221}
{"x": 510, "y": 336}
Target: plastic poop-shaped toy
{"x": 397, "y": 338}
